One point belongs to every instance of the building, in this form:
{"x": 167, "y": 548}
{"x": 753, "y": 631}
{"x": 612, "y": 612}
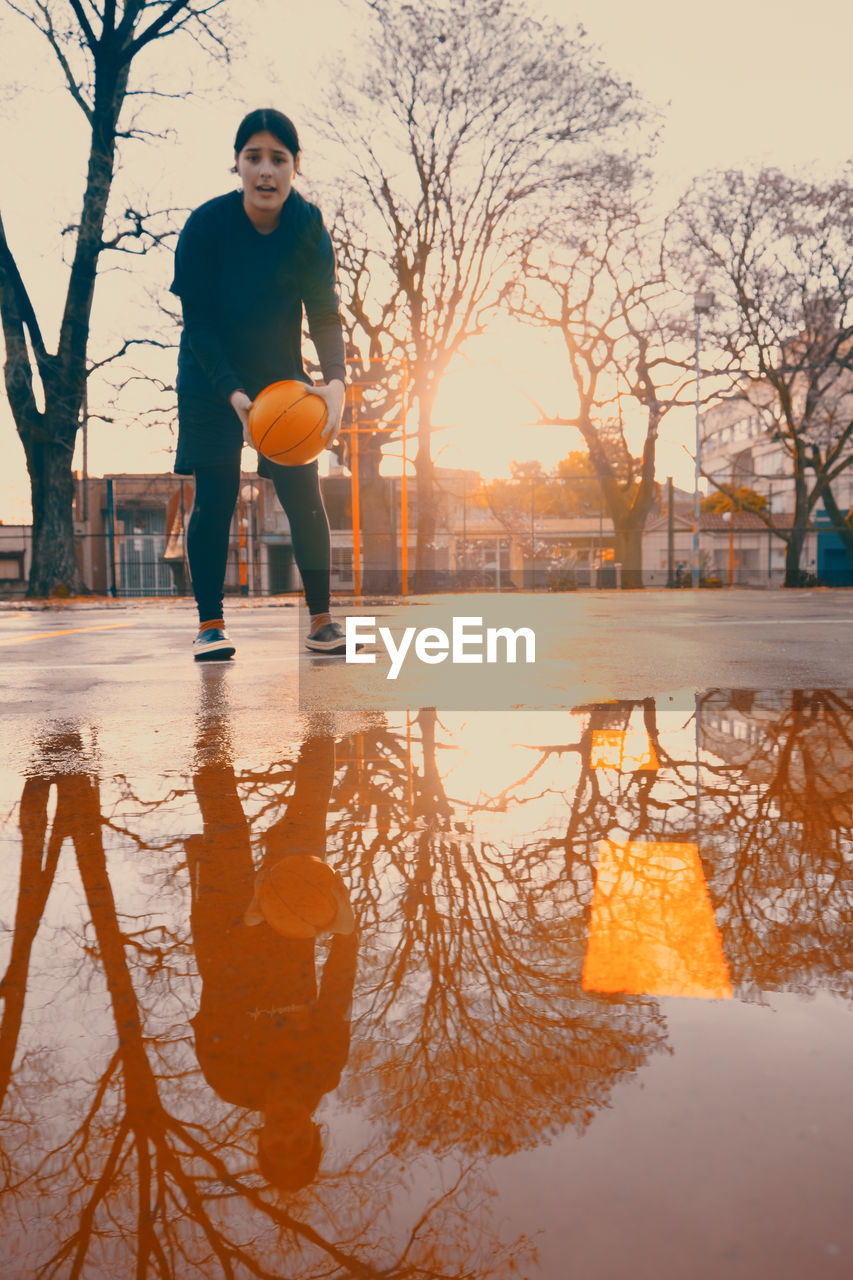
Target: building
{"x": 735, "y": 549}
{"x": 738, "y": 450}
{"x": 121, "y": 531}
{"x": 15, "y": 557}
{"x": 130, "y": 538}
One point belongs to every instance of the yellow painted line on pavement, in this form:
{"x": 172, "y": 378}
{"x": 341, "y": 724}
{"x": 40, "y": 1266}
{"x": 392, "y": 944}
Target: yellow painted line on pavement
{"x": 69, "y": 631}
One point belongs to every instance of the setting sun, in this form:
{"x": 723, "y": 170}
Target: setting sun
{"x": 486, "y": 410}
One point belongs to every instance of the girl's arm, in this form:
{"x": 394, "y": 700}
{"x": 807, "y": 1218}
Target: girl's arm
{"x": 323, "y": 311}
{"x": 195, "y": 274}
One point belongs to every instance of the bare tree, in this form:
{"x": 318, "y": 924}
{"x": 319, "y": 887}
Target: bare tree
{"x": 776, "y": 250}
{"x": 96, "y": 46}
{"x": 466, "y": 116}
{"x": 597, "y": 278}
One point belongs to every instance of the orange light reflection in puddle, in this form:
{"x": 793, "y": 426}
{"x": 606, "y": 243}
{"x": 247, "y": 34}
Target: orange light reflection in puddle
{"x": 652, "y": 930}
{"x": 628, "y": 750}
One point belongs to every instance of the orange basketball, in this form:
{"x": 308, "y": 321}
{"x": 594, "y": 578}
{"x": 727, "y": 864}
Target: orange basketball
{"x": 301, "y": 896}
{"x": 286, "y": 421}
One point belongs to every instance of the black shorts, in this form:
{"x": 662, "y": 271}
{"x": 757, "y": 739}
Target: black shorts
{"x": 209, "y": 434}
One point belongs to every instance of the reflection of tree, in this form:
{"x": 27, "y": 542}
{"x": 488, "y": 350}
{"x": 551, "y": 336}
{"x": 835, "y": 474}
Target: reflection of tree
{"x": 774, "y": 824}
{"x": 472, "y": 1036}
{"x": 642, "y": 802}
{"x": 777, "y": 824}
{"x": 493, "y": 1045}
{"x": 38, "y": 868}
{"x": 132, "y": 1176}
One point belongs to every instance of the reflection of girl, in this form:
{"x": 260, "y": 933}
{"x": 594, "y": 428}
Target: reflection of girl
{"x": 245, "y": 265}
{"x": 268, "y": 1036}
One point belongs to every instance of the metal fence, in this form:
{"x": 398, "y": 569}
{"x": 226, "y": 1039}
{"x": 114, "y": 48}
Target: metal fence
{"x": 142, "y": 570}
{"x": 138, "y": 560}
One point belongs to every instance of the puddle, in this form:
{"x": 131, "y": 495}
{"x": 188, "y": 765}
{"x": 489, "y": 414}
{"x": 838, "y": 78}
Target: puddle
{"x": 434, "y": 995}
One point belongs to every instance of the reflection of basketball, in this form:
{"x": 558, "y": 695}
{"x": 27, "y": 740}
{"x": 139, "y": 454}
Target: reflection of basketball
{"x": 301, "y": 896}
{"x": 286, "y": 422}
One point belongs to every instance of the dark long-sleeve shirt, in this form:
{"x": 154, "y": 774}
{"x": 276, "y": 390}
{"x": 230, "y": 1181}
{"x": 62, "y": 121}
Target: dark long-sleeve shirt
{"x": 243, "y": 294}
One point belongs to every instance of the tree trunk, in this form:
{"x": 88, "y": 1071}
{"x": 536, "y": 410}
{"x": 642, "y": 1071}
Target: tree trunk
{"x": 424, "y": 575}
{"x": 627, "y": 504}
{"x": 378, "y": 573}
{"x": 376, "y": 496}
{"x": 793, "y": 552}
{"x": 628, "y": 541}
{"x": 39, "y": 859}
{"x": 54, "y": 570}
{"x": 48, "y": 438}
{"x": 794, "y": 549}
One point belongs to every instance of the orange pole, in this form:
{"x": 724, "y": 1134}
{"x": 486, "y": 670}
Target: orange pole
{"x": 356, "y": 506}
{"x": 241, "y": 548}
{"x": 732, "y": 525}
{"x": 404, "y": 490}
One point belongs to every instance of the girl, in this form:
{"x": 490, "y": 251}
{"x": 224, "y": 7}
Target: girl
{"x": 245, "y": 266}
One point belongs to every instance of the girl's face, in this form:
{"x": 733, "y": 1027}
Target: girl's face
{"x": 266, "y": 170}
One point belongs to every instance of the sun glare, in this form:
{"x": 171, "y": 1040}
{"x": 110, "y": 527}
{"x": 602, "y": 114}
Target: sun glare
{"x": 486, "y": 417}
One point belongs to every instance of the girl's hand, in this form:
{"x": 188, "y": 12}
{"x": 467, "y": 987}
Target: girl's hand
{"x": 333, "y": 394}
{"x": 241, "y": 404}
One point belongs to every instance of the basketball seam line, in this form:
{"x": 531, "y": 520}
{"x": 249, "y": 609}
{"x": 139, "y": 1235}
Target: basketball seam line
{"x": 298, "y": 442}
{"x": 281, "y": 453}
{"x": 304, "y": 396}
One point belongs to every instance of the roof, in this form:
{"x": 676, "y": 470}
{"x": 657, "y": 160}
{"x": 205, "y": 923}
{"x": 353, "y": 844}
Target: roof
{"x": 726, "y": 520}
{"x": 723, "y": 522}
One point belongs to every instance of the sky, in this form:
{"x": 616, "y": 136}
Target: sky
{"x": 740, "y": 84}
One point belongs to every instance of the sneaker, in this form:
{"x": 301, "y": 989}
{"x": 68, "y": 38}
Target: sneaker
{"x": 212, "y": 645}
{"x": 329, "y": 639}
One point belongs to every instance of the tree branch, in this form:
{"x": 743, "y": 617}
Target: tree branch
{"x": 89, "y": 35}
{"x": 157, "y": 28}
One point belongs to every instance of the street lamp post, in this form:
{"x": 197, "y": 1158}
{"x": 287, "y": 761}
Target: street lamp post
{"x": 464, "y": 523}
{"x": 249, "y": 493}
{"x": 703, "y": 301}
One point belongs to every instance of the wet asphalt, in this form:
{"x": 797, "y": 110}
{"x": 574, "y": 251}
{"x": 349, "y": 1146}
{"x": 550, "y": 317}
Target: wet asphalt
{"x": 128, "y": 664}
{"x": 595, "y": 1019}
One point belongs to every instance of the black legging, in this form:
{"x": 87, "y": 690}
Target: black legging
{"x": 298, "y": 490}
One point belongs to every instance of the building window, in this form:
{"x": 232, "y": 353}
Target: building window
{"x": 142, "y": 520}
{"x": 12, "y": 567}
{"x": 342, "y": 563}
